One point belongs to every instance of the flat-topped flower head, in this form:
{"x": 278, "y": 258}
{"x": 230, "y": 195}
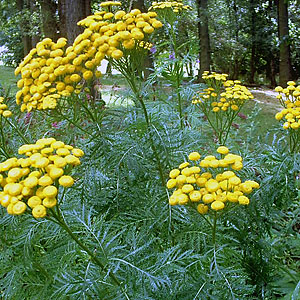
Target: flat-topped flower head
{"x": 289, "y": 98}
{"x": 221, "y": 102}
{"x": 110, "y": 3}
{"x": 32, "y": 183}
{"x": 211, "y": 184}
{"x": 175, "y": 6}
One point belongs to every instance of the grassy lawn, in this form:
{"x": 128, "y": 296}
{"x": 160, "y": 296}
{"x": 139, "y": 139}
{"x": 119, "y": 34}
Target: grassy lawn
{"x": 265, "y": 105}
{"x": 8, "y": 78}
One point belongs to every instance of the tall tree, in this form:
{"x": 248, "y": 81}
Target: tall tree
{"x": 203, "y": 33}
{"x": 253, "y": 42}
{"x": 48, "y": 15}
{"x": 285, "y": 68}
{"x": 23, "y": 5}
{"x": 70, "y": 12}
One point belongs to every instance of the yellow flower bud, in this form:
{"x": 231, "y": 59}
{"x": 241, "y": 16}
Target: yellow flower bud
{"x": 66, "y": 181}
{"x": 217, "y": 205}
{"x": 194, "y": 156}
{"x": 195, "y": 196}
{"x": 202, "y": 209}
{"x": 50, "y": 191}
{"x": 39, "y": 211}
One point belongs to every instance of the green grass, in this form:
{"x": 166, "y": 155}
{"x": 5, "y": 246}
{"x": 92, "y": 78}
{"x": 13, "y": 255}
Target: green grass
{"x": 264, "y": 118}
{"x": 8, "y": 80}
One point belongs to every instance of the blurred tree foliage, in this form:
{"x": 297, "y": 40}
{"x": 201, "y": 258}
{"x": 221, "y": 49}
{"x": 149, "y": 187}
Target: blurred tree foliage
{"x": 243, "y": 37}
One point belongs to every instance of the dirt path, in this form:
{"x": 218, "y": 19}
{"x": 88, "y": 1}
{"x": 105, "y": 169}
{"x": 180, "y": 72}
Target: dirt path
{"x": 266, "y": 96}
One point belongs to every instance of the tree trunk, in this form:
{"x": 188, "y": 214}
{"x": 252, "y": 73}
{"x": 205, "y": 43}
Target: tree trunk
{"x": 285, "y": 68}
{"x": 70, "y": 12}
{"x": 49, "y": 22}
{"x": 203, "y": 33}
{"x": 139, "y": 4}
{"x": 253, "y": 43}
{"x": 237, "y": 59}
{"x": 24, "y": 25}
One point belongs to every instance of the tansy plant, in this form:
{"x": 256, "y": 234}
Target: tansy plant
{"x": 123, "y": 39}
{"x": 169, "y": 12}
{"x": 210, "y": 185}
{"x": 221, "y": 102}
{"x": 53, "y": 70}
{"x": 31, "y": 185}
{"x": 289, "y": 98}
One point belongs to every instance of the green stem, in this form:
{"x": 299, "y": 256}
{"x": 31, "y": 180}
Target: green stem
{"x": 176, "y": 69}
{"x": 72, "y": 122}
{"x": 179, "y": 100}
{"x": 132, "y": 83}
{"x": 3, "y": 148}
{"x": 214, "y": 229}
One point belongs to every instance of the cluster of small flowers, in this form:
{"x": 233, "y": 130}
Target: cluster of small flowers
{"x": 210, "y": 182}
{"x": 233, "y": 97}
{"x": 289, "y": 98}
{"x": 110, "y": 3}
{"x": 4, "y": 111}
{"x": 175, "y": 6}
{"x": 112, "y": 34}
{"x": 213, "y": 75}
{"x": 51, "y": 70}
{"x": 31, "y": 183}
{"x": 145, "y": 45}
{"x": 46, "y": 75}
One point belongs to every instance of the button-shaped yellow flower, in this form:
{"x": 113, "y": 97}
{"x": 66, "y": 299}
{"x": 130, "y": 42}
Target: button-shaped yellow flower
{"x": 223, "y": 150}
{"x": 194, "y": 156}
{"x": 174, "y": 173}
{"x": 243, "y": 200}
{"x": 187, "y": 188}
{"x": 67, "y": 181}
{"x": 56, "y": 173}
{"x": 195, "y": 196}
{"x": 19, "y": 208}
{"x": 171, "y": 183}
{"x": 182, "y": 199}
{"x": 34, "y": 201}
{"x": 50, "y": 191}
{"x": 49, "y": 202}
{"x": 39, "y": 211}
{"x": 202, "y": 209}
{"x": 208, "y": 198}
{"x": 212, "y": 185}
{"x": 217, "y": 205}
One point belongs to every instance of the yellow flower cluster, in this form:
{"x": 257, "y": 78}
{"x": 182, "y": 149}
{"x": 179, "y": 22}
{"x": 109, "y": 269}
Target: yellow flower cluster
{"x": 46, "y": 75}
{"x": 210, "y": 183}
{"x": 176, "y": 6}
{"x": 4, "y": 111}
{"x": 113, "y": 34}
{"x": 213, "y": 75}
{"x": 233, "y": 96}
{"x": 110, "y": 3}
{"x": 289, "y": 98}
{"x": 145, "y": 45}
{"x": 51, "y": 70}
{"x": 31, "y": 183}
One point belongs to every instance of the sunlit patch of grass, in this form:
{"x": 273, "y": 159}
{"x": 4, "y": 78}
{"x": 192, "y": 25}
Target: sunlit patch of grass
{"x": 8, "y": 80}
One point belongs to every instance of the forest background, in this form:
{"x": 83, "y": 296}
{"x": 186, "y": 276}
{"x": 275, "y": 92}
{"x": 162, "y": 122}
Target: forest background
{"x": 255, "y": 39}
